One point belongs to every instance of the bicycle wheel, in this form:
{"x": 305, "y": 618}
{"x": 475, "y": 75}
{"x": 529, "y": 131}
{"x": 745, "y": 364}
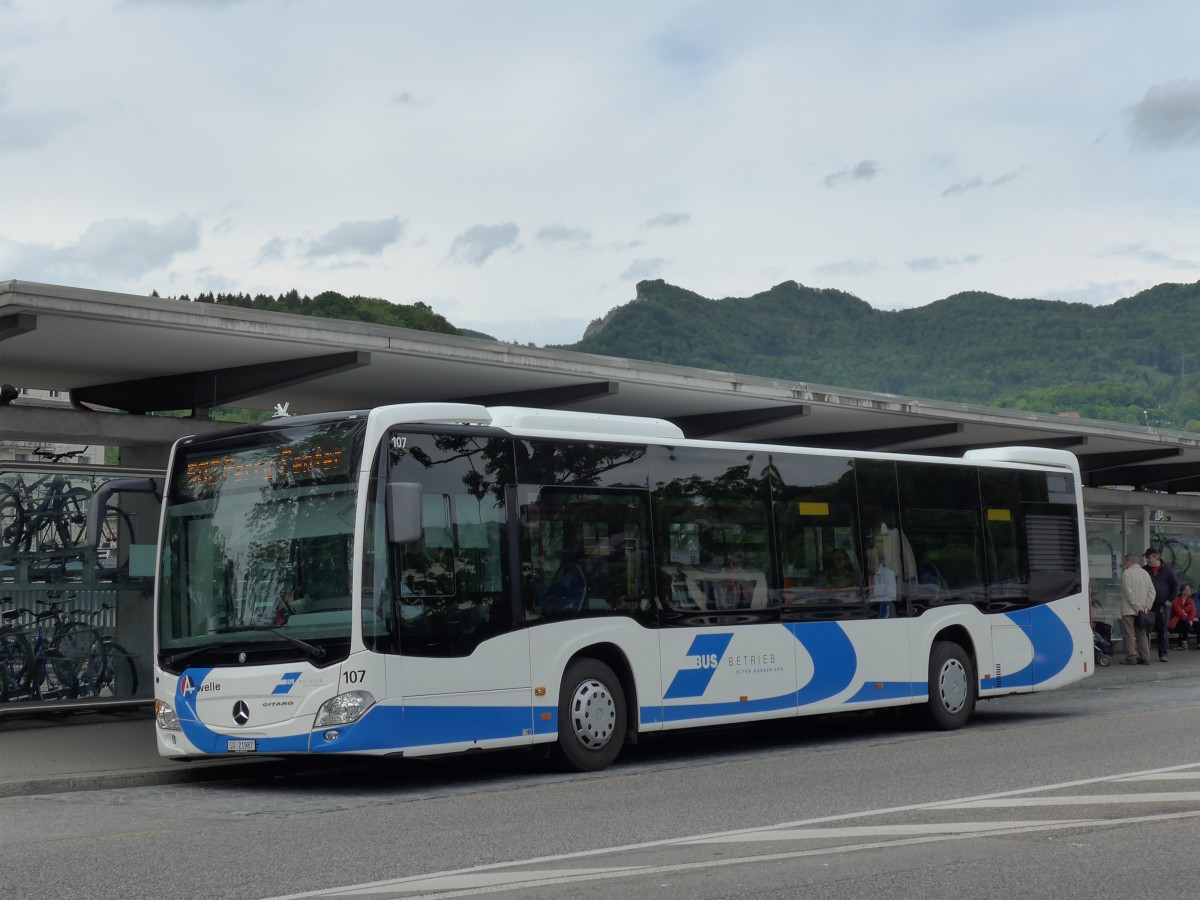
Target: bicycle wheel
{"x": 14, "y": 666}
{"x": 71, "y": 516}
{"x": 116, "y": 532}
{"x": 1180, "y": 558}
{"x": 117, "y": 676}
{"x": 12, "y": 519}
{"x": 73, "y": 660}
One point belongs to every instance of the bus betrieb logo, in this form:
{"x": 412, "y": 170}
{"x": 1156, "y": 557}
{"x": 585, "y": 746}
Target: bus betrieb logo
{"x": 693, "y": 680}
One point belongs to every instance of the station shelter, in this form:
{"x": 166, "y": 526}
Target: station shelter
{"x": 141, "y": 372}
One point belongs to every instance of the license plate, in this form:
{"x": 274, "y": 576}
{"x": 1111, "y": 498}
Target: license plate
{"x": 241, "y": 746}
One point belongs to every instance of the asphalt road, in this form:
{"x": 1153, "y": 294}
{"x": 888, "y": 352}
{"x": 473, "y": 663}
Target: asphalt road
{"x": 1084, "y": 792}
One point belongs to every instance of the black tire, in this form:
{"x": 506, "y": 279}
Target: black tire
{"x": 1181, "y": 558}
{"x": 71, "y": 517}
{"x": 591, "y": 716}
{"x": 15, "y": 663}
{"x": 116, "y": 537}
{"x": 73, "y": 659}
{"x": 12, "y": 519}
{"x": 952, "y": 687}
{"x": 117, "y": 676}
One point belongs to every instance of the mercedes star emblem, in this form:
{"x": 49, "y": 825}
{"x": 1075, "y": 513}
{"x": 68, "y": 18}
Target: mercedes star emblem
{"x": 241, "y": 712}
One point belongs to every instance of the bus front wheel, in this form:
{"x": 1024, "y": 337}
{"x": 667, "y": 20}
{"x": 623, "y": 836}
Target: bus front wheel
{"x": 951, "y": 686}
{"x": 591, "y": 716}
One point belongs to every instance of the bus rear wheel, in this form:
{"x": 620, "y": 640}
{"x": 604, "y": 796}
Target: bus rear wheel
{"x": 951, "y": 686}
{"x": 591, "y": 716}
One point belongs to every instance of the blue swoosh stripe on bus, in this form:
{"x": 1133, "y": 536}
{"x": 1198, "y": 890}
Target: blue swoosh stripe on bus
{"x": 834, "y": 665}
{"x": 833, "y": 656}
{"x": 186, "y": 706}
{"x": 421, "y": 726}
{"x": 683, "y": 712}
{"x": 387, "y": 727}
{"x": 1053, "y": 646}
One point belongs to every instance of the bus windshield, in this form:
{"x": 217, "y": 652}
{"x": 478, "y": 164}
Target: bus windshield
{"x": 259, "y": 546}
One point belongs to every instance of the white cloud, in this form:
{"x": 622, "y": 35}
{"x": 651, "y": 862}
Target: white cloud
{"x": 124, "y": 248}
{"x": 976, "y": 183}
{"x": 862, "y": 171}
{"x": 480, "y": 242}
{"x": 553, "y": 152}
{"x": 848, "y": 268}
{"x": 935, "y": 263}
{"x": 367, "y": 238}
{"x": 1167, "y": 117}
{"x": 669, "y": 220}
{"x": 33, "y": 129}
{"x": 1139, "y": 251}
{"x": 641, "y": 269}
{"x": 564, "y": 234}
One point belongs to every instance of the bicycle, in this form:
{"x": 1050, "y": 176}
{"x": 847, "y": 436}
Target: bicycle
{"x": 51, "y": 513}
{"x": 61, "y": 649}
{"x": 1174, "y": 553}
{"x": 108, "y": 669}
{"x": 15, "y": 654}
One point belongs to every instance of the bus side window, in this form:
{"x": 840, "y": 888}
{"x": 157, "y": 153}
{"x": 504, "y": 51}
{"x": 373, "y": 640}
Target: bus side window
{"x": 713, "y": 537}
{"x": 586, "y": 552}
{"x": 942, "y": 523}
{"x": 821, "y": 571}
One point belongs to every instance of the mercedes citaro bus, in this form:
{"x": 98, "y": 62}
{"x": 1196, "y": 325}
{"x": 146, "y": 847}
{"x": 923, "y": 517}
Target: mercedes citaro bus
{"x": 428, "y": 578}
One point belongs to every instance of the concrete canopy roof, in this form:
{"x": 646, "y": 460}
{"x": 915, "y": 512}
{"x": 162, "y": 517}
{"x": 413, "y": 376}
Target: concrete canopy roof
{"x": 141, "y": 354}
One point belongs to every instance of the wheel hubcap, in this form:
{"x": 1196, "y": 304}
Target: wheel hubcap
{"x": 952, "y": 686}
{"x": 593, "y": 714}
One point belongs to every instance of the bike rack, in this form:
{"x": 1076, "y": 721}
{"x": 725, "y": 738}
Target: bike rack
{"x": 77, "y": 576}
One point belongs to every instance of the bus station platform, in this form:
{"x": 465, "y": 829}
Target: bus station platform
{"x": 104, "y": 750}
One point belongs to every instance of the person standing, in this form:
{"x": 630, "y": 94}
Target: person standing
{"x": 1137, "y": 596}
{"x": 1166, "y": 588}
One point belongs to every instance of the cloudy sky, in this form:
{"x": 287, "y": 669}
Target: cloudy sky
{"x": 520, "y": 166}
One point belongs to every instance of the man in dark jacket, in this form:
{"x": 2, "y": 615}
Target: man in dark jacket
{"x": 1166, "y": 587}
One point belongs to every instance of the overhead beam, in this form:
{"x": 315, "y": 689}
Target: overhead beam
{"x": 1141, "y": 476}
{"x": 873, "y": 439}
{"x": 708, "y": 424}
{"x": 15, "y": 324}
{"x": 1054, "y": 443}
{"x": 19, "y": 422}
{"x": 1180, "y": 485}
{"x": 548, "y": 398}
{"x": 215, "y": 387}
{"x": 1098, "y": 462}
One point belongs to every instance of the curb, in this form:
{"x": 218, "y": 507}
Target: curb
{"x": 102, "y": 781}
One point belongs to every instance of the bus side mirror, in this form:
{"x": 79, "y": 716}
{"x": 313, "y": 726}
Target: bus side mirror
{"x": 98, "y": 506}
{"x": 404, "y": 512}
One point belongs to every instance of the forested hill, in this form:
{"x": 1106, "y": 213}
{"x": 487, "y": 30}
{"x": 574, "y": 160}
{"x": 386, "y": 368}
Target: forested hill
{"x": 1136, "y": 360}
{"x": 332, "y": 305}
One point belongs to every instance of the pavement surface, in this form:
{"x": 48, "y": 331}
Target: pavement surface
{"x": 57, "y": 752}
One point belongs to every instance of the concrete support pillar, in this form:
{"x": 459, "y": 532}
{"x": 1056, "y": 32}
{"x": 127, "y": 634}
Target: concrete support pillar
{"x": 135, "y": 609}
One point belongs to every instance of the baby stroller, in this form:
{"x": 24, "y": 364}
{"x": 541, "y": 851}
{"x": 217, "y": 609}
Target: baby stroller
{"x": 1102, "y": 642}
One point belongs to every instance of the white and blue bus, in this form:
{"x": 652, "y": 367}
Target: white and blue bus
{"x": 424, "y": 579}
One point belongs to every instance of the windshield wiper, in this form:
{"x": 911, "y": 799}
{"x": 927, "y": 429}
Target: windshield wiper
{"x": 184, "y": 654}
{"x": 313, "y": 649}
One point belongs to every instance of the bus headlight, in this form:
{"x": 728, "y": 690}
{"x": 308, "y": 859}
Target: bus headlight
{"x": 344, "y": 708}
{"x": 165, "y": 716}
